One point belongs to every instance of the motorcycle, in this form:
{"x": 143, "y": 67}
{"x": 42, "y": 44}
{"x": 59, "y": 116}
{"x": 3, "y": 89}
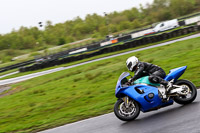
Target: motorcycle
{"x": 143, "y": 95}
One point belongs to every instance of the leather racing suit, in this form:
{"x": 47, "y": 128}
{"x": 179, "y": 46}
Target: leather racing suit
{"x": 156, "y": 73}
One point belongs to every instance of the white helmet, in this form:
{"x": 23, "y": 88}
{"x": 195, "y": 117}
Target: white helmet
{"x": 131, "y": 63}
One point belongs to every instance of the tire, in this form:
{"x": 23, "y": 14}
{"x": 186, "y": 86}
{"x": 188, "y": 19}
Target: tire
{"x": 193, "y": 92}
{"x": 122, "y": 116}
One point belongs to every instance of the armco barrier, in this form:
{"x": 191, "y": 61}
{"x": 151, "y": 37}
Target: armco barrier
{"x": 124, "y": 38}
{"x": 93, "y": 46}
{"x": 189, "y": 16}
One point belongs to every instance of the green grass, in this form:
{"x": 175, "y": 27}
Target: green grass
{"x": 88, "y": 59}
{"x": 7, "y": 72}
{"x": 85, "y": 91}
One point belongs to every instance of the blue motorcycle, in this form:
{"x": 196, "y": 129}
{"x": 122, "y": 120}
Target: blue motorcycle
{"x": 142, "y": 95}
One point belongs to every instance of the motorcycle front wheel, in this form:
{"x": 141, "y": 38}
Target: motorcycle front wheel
{"x": 126, "y": 113}
{"x": 190, "y": 90}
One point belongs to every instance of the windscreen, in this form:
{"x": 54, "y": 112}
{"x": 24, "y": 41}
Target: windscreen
{"x": 123, "y": 75}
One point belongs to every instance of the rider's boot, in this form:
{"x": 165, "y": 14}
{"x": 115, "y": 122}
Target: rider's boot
{"x": 168, "y": 85}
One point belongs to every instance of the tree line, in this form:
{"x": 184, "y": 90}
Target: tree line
{"x": 96, "y": 26}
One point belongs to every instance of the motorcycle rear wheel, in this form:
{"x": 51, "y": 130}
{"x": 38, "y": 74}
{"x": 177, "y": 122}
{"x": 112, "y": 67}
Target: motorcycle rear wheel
{"x": 191, "y": 90}
{"x": 126, "y": 114}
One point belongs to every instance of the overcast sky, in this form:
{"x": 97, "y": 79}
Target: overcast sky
{"x": 17, "y": 13}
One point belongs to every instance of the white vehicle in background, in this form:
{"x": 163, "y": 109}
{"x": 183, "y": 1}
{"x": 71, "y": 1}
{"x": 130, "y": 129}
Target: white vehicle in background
{"x": 166, "y": 25}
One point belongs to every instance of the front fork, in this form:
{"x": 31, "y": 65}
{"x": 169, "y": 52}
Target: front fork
{"x": 126, "y": 101}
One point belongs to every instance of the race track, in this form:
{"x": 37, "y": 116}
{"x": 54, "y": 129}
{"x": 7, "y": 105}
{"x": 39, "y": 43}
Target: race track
{"x": 172, "y": 119}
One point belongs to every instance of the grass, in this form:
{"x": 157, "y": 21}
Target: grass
{"x": 88, "y": 59}
{"x": 85, "y": 91}
{"x": 7, "y": 72}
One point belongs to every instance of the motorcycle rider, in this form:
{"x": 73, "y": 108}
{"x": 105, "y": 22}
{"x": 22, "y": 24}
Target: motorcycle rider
{"x": 144, "y": 69}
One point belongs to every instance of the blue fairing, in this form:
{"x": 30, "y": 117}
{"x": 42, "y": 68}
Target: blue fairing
{"x": 143, "y": 99}
{"x": 175, "y": 73}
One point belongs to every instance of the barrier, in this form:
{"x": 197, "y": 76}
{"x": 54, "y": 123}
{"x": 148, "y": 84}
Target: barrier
{"x": 93, "y": 46}
{"x": 192, "y": 20}
{"x": 124, "y": 38}
{"x": 126, "y": 45}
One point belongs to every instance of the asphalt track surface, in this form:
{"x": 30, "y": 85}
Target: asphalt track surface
{"x": 172, "y": 119}
{"x": 30, "y": 76}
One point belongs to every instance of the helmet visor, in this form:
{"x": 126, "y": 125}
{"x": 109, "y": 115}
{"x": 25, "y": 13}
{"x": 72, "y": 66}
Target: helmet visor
{"x": 129, "y": 66}
{"x": 134, "y": 68}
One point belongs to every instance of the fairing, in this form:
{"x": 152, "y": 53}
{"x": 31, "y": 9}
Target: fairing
{"x": 145, "y": 102}
{"x": 175, "y": 73}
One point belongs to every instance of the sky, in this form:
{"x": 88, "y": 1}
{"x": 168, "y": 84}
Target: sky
{"x": 17, "y": 13}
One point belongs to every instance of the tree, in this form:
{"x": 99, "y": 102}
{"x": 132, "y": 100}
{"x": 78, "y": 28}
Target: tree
{"x": 103, "y": 30}
{"x": 124, "y": 25}
{"x": 131, "y": 14}
{"x": 181, "y": 7}
{"x": 61, "y": 41}
{"x": 118, "y": 19}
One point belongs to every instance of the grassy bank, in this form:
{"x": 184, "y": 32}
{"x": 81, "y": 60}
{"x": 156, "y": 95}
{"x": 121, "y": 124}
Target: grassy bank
{"x": 85, "y": 91}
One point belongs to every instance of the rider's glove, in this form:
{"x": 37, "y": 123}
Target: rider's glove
{"x": 128, "y": 83}
{"x": 130, "y": 80}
